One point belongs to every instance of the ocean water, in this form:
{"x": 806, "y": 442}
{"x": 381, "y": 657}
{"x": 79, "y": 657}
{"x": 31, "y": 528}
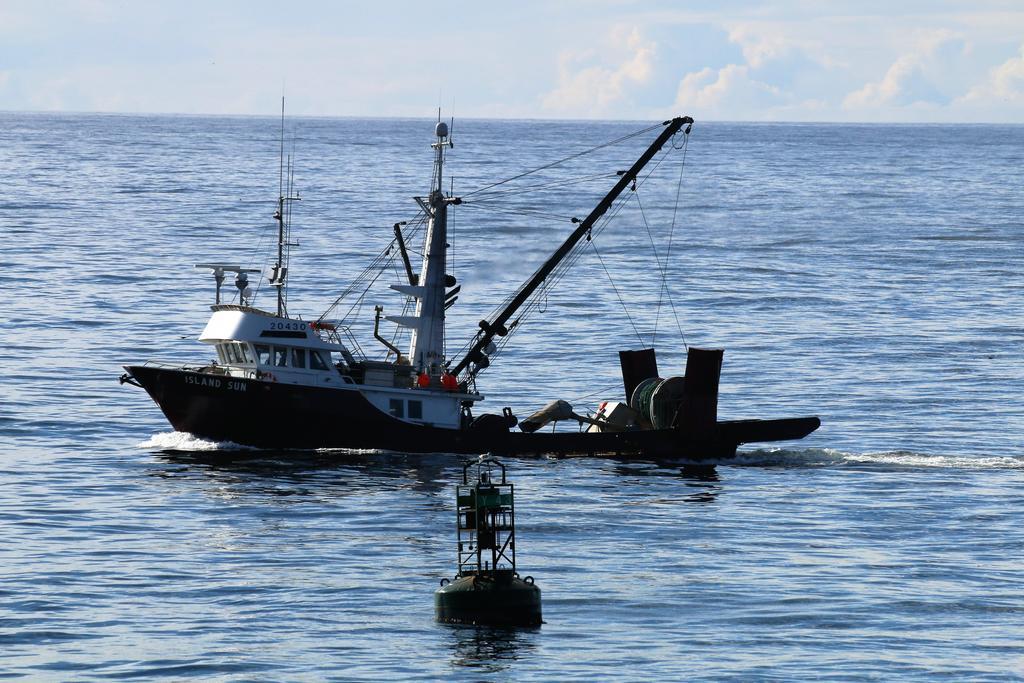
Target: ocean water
{"x": 868, "y": 274}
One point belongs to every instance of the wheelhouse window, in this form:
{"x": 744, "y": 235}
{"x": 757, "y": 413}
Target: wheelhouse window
{"x": 397, "y": 407}
{"x": 298, "y": 358}
{"x": 280, "y": 357}
{"x": 316, "y": 361}
{"x": 263, "y": 354}
{"x": 415, "y": 410}
{"x": 234, "y": 353}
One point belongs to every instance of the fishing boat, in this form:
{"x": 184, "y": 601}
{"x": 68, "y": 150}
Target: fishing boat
{"x": 284, "y": 381}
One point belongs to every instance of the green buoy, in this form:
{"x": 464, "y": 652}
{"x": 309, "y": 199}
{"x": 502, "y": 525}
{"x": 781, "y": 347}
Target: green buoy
{"x": 487, "y": 589}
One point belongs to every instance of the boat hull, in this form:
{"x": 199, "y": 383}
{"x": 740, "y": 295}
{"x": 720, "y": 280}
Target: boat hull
{"x": 267, "y": 414}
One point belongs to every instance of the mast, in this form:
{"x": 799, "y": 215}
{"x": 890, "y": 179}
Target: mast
{"x": 426, "y": 347}
{"x": 497, "y": 326}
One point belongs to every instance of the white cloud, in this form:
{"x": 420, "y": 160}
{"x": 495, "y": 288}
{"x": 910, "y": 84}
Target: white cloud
{"x": 890, "y": 88}
{"x": 759, "y": 88}
{"x": 715, "y": 93}
{"x": 1005, "y": 83}
{"x": 758, "y": 46}
{"x": 595, "y": 89}
{"x": 907, "y": 81}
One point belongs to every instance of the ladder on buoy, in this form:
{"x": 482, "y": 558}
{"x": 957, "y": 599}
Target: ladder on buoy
{"x": 486, "y": 521}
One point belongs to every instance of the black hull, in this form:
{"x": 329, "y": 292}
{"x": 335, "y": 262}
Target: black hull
{"x": 271, "y": 415}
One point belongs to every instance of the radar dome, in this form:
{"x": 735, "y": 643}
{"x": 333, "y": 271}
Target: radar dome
{"x": 441, "y": 129}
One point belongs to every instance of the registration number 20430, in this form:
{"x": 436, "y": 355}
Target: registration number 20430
{"x": 301, "y": 327}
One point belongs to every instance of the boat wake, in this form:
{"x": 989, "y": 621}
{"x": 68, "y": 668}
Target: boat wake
{"x": 189, "y": 443}
{"x": 350, "y": 451}
{"x": 829, "y": 457}
{"x": 185, "y": 442}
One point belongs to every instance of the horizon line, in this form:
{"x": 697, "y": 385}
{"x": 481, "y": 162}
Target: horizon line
{"x": 276, "y": 116}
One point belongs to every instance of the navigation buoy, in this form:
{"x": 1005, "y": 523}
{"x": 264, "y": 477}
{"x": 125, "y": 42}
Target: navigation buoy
{"x": 487, "y": 589}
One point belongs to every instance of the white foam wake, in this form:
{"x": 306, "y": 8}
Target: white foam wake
{"x": 824, "y": 457}
{"x": 910, "y": 459}
{"x": 350, "y": 451}
{"x": 183, "y": 441}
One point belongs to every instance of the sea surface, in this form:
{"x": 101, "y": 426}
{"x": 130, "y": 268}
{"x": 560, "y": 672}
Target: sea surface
{"x": 869, "y": 274}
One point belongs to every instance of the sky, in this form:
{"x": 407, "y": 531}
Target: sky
{"x": 789, "y": 60}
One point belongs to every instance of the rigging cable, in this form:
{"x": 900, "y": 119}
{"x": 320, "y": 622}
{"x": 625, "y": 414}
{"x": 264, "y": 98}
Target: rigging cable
{"x": 619, "y": 296}
{"x": 563, "y": 268}
{"x": 255, "y": 255}
{"x": 668, "y": 252}
{"x": 498, "y": 194}
{"x": 568, "y": 158}
{"x": 559, "y": 272}
{"x": 483, "y": 190}
{"x": 518, "y": 212}
{"x": 663, "y": 268}
{"x": 379, "y": 262}
{"x": 600, "y": 392}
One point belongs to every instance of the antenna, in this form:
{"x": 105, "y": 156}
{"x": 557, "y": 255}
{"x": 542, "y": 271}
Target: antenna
{"x": 279, "y": 269}
{"x": 283, "y": 218}
{"x": 451, "y": 127}
{"x": 280, "y": 167}
{"x": 290, "y": 170}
